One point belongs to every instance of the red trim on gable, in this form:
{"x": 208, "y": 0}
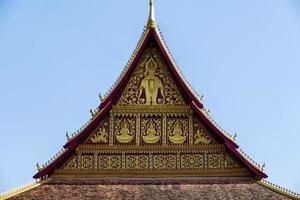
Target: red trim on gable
{"x": 213, "y": 127}
{"x": 229, "y": 144}
{"x": 73, "y": 143}
{"x": 189, "y": 97}
{"x": 55, "y": 164}
{"x": 127, "y": 75}
{"x": 259, "y": 173}
{"x": 172, "y": 69}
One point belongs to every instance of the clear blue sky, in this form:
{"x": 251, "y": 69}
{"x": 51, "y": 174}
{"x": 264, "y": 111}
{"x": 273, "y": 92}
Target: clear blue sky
{"x": 56, "y": 56}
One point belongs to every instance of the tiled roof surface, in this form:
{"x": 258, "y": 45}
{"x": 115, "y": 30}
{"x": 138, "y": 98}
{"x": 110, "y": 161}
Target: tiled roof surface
{"x": 205, "y": 188}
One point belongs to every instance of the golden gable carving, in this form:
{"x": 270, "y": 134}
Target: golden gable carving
{"x": 151, "y": 131}
{"x": 151, "y": 83}
{"x": 153, "y": 161}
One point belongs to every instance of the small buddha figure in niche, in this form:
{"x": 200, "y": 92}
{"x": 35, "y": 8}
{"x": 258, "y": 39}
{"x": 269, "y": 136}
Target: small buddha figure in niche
{"x": 125, "y": 136}
{"x": 151, "y": 86}
{"x": 151, "y": 135}
{"x": 177, "y": 136}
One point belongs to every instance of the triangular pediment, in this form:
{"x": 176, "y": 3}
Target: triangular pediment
{"x": 150, "y": 124}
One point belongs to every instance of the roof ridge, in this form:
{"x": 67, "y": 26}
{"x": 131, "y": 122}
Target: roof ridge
{"x": 52, "y": 159}
{"x": 278, "y": 189}
{"x": 128, "y": 64}
{"x": 23, "y": 188}
{"x": 176, "y": 66}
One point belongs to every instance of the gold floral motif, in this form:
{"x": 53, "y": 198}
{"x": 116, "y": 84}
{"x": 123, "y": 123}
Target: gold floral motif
{"x": 124, "y": 129}
{"x": 151, "y": 130}
{"x": 110, "y": 162}
{"x": 192, "y": 161}
{"x": 214, "y": 161}
{"x": 87, "y": 162}
{"x": 140, "y": 162}
{"x": 177, "y": 130}
{"x": 72, "y": 164}
{"x": 155, "y": 161}
{"x": 151, "y": 83}
{"x": 229, "y": 162}
{"x": 164, "y": 162}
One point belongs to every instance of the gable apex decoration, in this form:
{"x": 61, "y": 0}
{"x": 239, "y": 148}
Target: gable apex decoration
{"x": 151, "y": 19}
{"x": 153, "y": 35}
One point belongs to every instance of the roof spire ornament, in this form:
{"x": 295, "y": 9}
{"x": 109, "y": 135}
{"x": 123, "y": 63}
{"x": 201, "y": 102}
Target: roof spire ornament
{"x": 67, "y": 136}
{"x": 100, "y": 97}
{"x": 38, "y": 166}
{"x": 151, "y": 19}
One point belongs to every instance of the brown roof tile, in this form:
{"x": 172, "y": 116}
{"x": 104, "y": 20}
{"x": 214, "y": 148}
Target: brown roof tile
{"x": 209, "y": 188}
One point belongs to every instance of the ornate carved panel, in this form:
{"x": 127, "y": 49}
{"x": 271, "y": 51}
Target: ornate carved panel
{"x": 163, "y": 125}
{"x": 192, "y": 161}
{"x": 201, "y": 136}
{"x": 151, "y": 83}
{"x": 164, "y": 161}
{"x": 152, "y": 160}
{"x": 101, "y": 134}
{"x": 110, "y": 162}
{"x": 124, "y": 130}
{"x": 137, "y": 162}
{"x": 177, "y": 130}
{"x": 230, "y": 162}
{"x": 151, "y": 130}
{"x": 87, "y": 162}
{"x": 71, "y": 164}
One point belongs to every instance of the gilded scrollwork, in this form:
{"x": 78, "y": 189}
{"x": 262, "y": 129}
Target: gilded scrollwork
{"x": 177, "y": 130}
{"x": 138, "y": 162}
{"x": 101, "y": 133}
{"x": 164, "y": 161}
{"x": 151, "y": 130}
{"x": 87, "y": 162}
{"x": 154, "y": 161}
{"x": 230, "y": 162}
{"x": 110, "y": 162}
{"x": 214, "y": 161}
{"x": 72, "y": 164}
{"x": 201, "y": 136}
{"x": 192, "y": 161}
{"x": 100, "y": 136}
{"x": 151, "y": 83}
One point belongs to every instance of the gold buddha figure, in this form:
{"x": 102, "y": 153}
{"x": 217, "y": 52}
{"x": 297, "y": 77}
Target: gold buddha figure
{"x": 124, "y": 136}
{"x": 177, "y": 137}
{"x": 151, "y": 135}
{"x": 201, "y": 138}
{"x": 151, "y": 85}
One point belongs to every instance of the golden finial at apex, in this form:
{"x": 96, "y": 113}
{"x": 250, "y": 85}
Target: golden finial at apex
{"x": 151, "y": 19}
